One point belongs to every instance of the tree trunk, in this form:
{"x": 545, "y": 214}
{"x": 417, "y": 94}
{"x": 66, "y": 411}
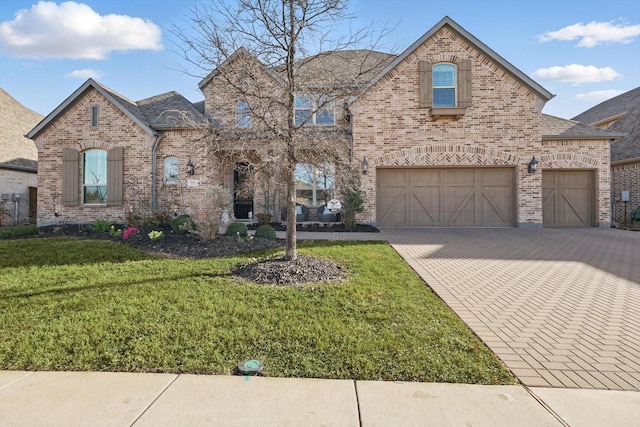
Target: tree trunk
{"x": 291, "y": 254}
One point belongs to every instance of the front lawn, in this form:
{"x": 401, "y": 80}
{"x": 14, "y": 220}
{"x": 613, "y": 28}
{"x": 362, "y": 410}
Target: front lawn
{"x": 98, "y": 305}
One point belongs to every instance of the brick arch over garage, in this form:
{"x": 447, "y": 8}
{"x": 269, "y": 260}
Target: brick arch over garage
{"x": 568, "y": 161}
{"x": 446, "y": 155}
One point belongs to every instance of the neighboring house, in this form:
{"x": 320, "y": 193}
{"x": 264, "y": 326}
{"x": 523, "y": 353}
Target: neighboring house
{"x": 444, "y": 134}
{"x": 621, "y": 114}
{"x": 18, "y": 162}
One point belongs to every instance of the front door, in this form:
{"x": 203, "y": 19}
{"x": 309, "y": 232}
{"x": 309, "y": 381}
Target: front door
{"x": 242, "y": 197}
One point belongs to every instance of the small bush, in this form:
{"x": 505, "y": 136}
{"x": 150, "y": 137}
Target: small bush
{"x": 266, "y": 232}
{"x": 100, "y": 226}
{"x": 182, "y": 224}
{"x": 158, "y": 220}
{"x": 264, "y": 218}
{"x": 237, "y": 228}
{"x": 17, "y": 231}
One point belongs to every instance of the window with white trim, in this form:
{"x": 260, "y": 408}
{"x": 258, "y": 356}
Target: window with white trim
{"x": 444, "y": 85}
{"x": 314, "y": 110}
{"x": 94, "y": 177}
{"x": 314, "y": 183}
{"x": 171, "y": 169}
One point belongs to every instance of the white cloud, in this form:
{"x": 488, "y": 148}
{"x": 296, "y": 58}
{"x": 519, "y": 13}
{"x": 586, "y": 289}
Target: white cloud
{"x": 84, "y": 74}
{"x": 74, "y": 30}
{"x": 577, "y": 74}
{"x": 594, "y": 33}
{"x": 598, "y": 95}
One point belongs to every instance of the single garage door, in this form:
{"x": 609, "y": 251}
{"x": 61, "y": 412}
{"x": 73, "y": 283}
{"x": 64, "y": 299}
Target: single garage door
{"x": 568, "y": 198}
{"x": 454, "y": 197}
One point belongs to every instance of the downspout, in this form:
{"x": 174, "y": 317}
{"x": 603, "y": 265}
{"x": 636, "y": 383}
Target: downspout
{"x": 154, "y": 173}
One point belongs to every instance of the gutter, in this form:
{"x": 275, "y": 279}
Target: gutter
{"x": 154, "y": 173}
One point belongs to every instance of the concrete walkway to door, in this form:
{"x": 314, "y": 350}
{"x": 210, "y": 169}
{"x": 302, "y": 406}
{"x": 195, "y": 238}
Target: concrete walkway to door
{"x": 558, "y": 306}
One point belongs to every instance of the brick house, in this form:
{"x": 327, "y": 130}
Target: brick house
{"x": 444, "y": 134}
{"x": 621, "y": 114}
{"x": 18, "y": 162}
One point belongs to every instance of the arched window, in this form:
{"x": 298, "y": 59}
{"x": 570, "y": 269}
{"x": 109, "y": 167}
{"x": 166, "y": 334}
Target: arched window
{"x": 444, "y": 85}
{"x": 94, "y": 177}
{"x": 243, "y": 115}
{"x": 171, "y": 170}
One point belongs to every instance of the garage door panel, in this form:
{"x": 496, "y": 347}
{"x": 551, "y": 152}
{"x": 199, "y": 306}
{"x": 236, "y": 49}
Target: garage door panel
{"x": 464, "y": 197}
{"x": 567, "y": 198}
{"x": 496, "y": 210}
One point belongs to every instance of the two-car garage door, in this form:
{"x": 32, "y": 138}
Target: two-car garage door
{"x": 479, "y": 197}
{"x": 453, "y": 197}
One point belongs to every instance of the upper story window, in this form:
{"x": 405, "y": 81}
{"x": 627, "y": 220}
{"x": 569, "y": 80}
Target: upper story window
{"x": 94, "y": 177}
{"x": 313, "y": 110}
{"x": 171, "y": 169}
{"x": 444, "y": 85}
{"x": 94, "y": 116}
{"x": 446, "y": 88}
{"x": 314, "y": 183}
{"x": 243, "y": 115}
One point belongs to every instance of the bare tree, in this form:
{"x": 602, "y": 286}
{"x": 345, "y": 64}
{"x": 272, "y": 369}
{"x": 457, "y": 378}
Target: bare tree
{"x": 279, "y": 88}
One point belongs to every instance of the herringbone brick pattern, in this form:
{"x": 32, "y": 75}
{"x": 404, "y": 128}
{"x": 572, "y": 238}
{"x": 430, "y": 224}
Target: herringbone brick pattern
{"x": 560, "y": 307}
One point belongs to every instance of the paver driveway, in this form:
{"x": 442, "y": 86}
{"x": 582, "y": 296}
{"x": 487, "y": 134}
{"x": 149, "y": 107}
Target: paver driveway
{"x": 560, "y": 307}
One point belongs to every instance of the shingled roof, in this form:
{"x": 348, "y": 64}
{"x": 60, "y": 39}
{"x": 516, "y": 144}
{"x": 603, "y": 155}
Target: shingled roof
{"x": 16, "y": 151}
{"x": 611, "y": 108}
{"x": 167, "y": 111}
{"x": 558, "y": 128}
{"x": 627, "y": 108}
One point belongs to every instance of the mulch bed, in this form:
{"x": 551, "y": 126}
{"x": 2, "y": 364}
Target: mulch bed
{"x": 275, "y": 271}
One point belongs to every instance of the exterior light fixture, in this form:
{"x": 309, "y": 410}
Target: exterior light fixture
{"x": 365, "y": 166}
{"x": 191, "y": 169}
{"x": 532, "y": 166}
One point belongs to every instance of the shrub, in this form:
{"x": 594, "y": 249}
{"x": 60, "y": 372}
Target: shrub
{"x": 266, "y": 232}
{"x": 155, "y": 234}
{"x": 264, "y": 218}
{"x": 237, "y": 228}
{"x": 158, "y": 220}
{"x": 182, "y": 224}
{"x": 100, "y": 226}
{"x": 129, "y": 232}
{"x": 208, "y": 209}
{"x": 354, "y": 205}
{"x": 8, "y": 232}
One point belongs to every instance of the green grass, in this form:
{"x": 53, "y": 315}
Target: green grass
{"x": 99, "y": 305}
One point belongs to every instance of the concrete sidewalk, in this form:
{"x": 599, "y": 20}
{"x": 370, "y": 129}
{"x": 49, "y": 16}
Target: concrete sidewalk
{"x": 129, "y": 399}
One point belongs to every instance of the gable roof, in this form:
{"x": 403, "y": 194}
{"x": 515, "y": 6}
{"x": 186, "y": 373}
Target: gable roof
{"x": 627, "y": 148}
{"x": 557, "y": 128}
{"x": 238, "y": 54}
{"x": 611, "y": 108}
{"x": 167, "y": 111}
{"x": 170, "y": 111}
{"x": 16, "y": 151}
{"x": 446, "y": 21}
{"x": 626, "y": 108}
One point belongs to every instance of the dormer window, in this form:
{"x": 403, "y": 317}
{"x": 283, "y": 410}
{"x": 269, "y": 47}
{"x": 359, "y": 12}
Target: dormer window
{"x": 94, "y": 116}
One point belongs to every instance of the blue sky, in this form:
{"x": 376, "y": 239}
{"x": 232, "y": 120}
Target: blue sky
{"x": 583, "y": 51}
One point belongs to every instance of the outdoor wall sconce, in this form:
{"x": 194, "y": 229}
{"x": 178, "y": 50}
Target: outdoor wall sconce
{"x": 532, "y": 166}
{"x": 191, "y": 169}
{"x": 365, "y": 166}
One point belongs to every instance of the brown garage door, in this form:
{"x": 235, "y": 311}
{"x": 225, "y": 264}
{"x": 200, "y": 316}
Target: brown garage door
{"x": 456, "y": 197}
{"x": 568, "y": 198}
